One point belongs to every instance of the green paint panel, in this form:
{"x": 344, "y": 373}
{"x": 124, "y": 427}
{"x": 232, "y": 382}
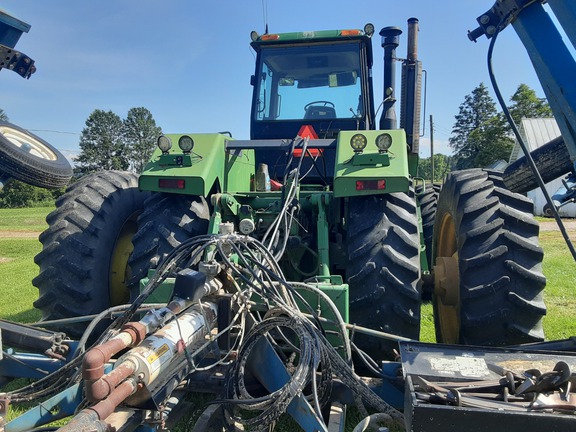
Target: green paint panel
{"x": 240, "y": 167}
{"x": 392, "y": 167}
{"x": 339, "y": 295}
{"x": 162, "y": 293}
{"x": 196, "y": 173}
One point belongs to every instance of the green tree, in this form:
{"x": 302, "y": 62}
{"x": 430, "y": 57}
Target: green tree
{"x": 3, "y": 116}
{"x": 442, "y": 166}
{"x": 102, "y": 144}
{"x": 140, "y": 134}
{"x": 492, "y": 141}
{"x": 17, "y": 194}
{"x": 479, "y": 135}
{"x": 526, "y": 104}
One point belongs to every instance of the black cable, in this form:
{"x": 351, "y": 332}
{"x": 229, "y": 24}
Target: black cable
{"x": 45, "y": 429}
{"x": 370, "y": 363}
{"x": 273, "y": 405}
{"x": 522, "y": 143}
{"x": 259, "y": 275}
{"x": 23, "y": 363}
{"x": 322, "y": 175}
{"x": 46, "y": 386}
{"x": 168, "y": 264}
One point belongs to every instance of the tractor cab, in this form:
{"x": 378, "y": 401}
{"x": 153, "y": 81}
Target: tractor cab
{"x": 321, "y": 79}
{"x": 317, "y": 82}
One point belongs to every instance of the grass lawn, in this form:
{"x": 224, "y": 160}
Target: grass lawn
{"x": 559, "y": 295}
{"x": 27, "y": 219}
{"x": 17, "y": 269}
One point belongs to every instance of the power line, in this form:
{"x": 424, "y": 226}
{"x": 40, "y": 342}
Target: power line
{"x": 54, "y": 131}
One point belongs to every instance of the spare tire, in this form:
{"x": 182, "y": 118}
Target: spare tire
{"x": 30, "y": 159}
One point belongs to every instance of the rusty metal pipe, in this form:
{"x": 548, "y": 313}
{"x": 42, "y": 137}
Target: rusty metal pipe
{"x": 95, "y": 359}
{"x": 107, "y": 406}
{"x": 103, "y": 387}
{"x": 412, "y": 53}
{"x": 411, "y": 89}
{"x": 86, "y": 421}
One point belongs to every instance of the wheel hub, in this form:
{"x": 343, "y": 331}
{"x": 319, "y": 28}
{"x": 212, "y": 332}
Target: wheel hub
{"x": 446, "y": 280}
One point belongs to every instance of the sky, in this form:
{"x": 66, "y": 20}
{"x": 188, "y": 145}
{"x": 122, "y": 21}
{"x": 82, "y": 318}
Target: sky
{"x": 190, "y": 62}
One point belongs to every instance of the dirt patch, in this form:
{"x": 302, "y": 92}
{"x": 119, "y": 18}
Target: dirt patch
{"x": 4, "y": 260}
{"x": 19, "y": 234}
{"x": 570, "y": 225}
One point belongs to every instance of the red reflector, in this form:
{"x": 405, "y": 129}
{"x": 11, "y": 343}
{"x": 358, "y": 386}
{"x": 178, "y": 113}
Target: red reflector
{"x": 370, "y": 185}
{"x": 350, "y": 33}
{"x": 307, "y": 131}
{"x": 172, "y": 183}
{"x": 311, "y": 152}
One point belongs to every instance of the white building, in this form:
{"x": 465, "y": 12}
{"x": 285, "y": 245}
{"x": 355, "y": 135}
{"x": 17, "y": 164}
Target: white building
{"x": 536, "y": 132}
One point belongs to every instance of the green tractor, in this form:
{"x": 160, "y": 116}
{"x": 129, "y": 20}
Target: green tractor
{"x": 329, "y": 190}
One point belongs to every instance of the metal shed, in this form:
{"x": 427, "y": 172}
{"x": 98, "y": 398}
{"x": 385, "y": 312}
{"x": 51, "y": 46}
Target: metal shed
{"x": 536, "y": 132}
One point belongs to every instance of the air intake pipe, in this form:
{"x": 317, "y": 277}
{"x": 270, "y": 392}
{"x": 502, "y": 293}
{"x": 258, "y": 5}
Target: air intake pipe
{"x": 390, "y": 41}
{"x": 411, "y": 89}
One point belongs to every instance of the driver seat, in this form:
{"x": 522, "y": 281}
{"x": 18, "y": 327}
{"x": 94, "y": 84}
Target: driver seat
{"x": 317, "y": 112}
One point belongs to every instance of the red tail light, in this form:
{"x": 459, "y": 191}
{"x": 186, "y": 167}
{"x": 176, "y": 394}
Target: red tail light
{"x": 370, "y": 185}
{"x": 172, "y": 184}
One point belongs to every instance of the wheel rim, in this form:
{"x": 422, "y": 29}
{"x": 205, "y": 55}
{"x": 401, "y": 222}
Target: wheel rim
{"x": 119, "y": 269}
{"x": 28, "y": 143}
{"x": 447, "y": 282}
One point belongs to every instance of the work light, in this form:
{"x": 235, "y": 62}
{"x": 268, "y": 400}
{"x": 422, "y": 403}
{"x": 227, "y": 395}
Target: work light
{"x": 164, "y": 143}
{"x": 358, "y": 143}
{"x": 186, "y": 143}
{"x": 383, "y": 142}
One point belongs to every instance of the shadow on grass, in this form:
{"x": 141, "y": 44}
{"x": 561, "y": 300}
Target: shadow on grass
{"x": 28, "y": 316}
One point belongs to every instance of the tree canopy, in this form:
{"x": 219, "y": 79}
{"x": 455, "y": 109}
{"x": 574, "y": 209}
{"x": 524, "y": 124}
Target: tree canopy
{"x": 474, "y": 124}
{"x": 481, "y": 135}
{"x": 102, "y": 144}
{"x": 110, "y": 143}
{"x": 526, "y": 104}
{"x": 442, "y": 166}
{"x": 17, "y": 194}
{"x": 141, "y": 134}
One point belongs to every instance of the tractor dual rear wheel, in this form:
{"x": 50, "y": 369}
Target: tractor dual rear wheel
{"x": 167, "y": 221}
{"x": 84, "y": 258}
{"x": 384, "y": 269}
{"x": 488, "y": 264}
{"x": 428, "y": 201}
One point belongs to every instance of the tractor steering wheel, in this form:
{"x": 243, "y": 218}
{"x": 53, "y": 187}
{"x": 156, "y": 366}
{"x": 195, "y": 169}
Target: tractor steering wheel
{"x": 326, "y": 103}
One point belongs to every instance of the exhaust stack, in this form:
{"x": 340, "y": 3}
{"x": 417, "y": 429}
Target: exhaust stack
{"x": 411, "y": 89}
{"x": 390, "y": 41}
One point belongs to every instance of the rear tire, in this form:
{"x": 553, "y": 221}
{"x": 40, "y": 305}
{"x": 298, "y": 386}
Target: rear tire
{"x": 384, "y": 269}
{"x": 83, "y": 262}
{"x": 167, "y": 221}
{"x": 428, "y": 204}
{"x": 486, "y": 249}
{"x": 30, "y": 159}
